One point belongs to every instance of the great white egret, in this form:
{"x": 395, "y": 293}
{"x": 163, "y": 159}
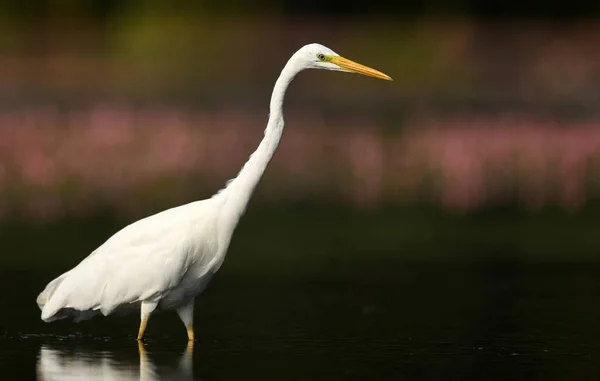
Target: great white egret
{"x": 167, "y": 259}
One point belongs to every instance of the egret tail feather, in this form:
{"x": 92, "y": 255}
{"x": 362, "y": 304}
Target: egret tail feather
{"x": 45, "y": 295}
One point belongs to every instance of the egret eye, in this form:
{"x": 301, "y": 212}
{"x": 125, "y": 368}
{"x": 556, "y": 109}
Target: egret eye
{"x": 321, "y": 56}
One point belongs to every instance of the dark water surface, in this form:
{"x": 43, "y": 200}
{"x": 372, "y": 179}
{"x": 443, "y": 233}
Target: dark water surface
{"x": 430, "y": 321}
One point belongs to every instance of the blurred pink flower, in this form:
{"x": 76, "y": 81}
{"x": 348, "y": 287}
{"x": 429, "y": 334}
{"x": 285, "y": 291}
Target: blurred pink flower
{"x": 114, "y": 154}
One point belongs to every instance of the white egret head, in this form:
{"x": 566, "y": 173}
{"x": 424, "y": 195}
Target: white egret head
{"x": 317, "y": 56}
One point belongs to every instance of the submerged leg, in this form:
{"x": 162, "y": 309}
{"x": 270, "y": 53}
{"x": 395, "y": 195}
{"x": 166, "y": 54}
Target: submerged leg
{"x": 147, "y": 369}
{"x": 186, "y": 313}
{"x": 185, "y": 366}
{"x": 146, "y": 309}
{"x": 142, "y": 352}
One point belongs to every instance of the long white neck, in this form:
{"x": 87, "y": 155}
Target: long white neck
{"x": 239, "y": 190}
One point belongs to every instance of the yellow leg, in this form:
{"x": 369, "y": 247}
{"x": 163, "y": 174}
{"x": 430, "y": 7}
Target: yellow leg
{"x": 142, "y": 350}
{"x": 186, "y": 313}
{"x": 142, "y": 330}
{"x": 145, "y": 310}
{"x": 190, "y": 333}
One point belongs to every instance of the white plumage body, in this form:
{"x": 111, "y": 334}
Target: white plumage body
{"x": 168, "y": 258}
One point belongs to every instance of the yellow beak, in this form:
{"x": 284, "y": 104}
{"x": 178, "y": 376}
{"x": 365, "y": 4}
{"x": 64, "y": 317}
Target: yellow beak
{"x": 355, "y": 67}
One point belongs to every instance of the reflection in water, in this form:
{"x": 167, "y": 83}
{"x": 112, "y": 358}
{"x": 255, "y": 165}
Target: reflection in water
{"x": 59, "y": 364}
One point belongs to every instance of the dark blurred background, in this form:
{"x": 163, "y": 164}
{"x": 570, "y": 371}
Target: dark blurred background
{"x": 444, "y": 224}
{"x": 486, "y": 146}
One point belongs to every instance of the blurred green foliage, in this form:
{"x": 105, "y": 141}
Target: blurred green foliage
{"x": 325, "y": 240}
